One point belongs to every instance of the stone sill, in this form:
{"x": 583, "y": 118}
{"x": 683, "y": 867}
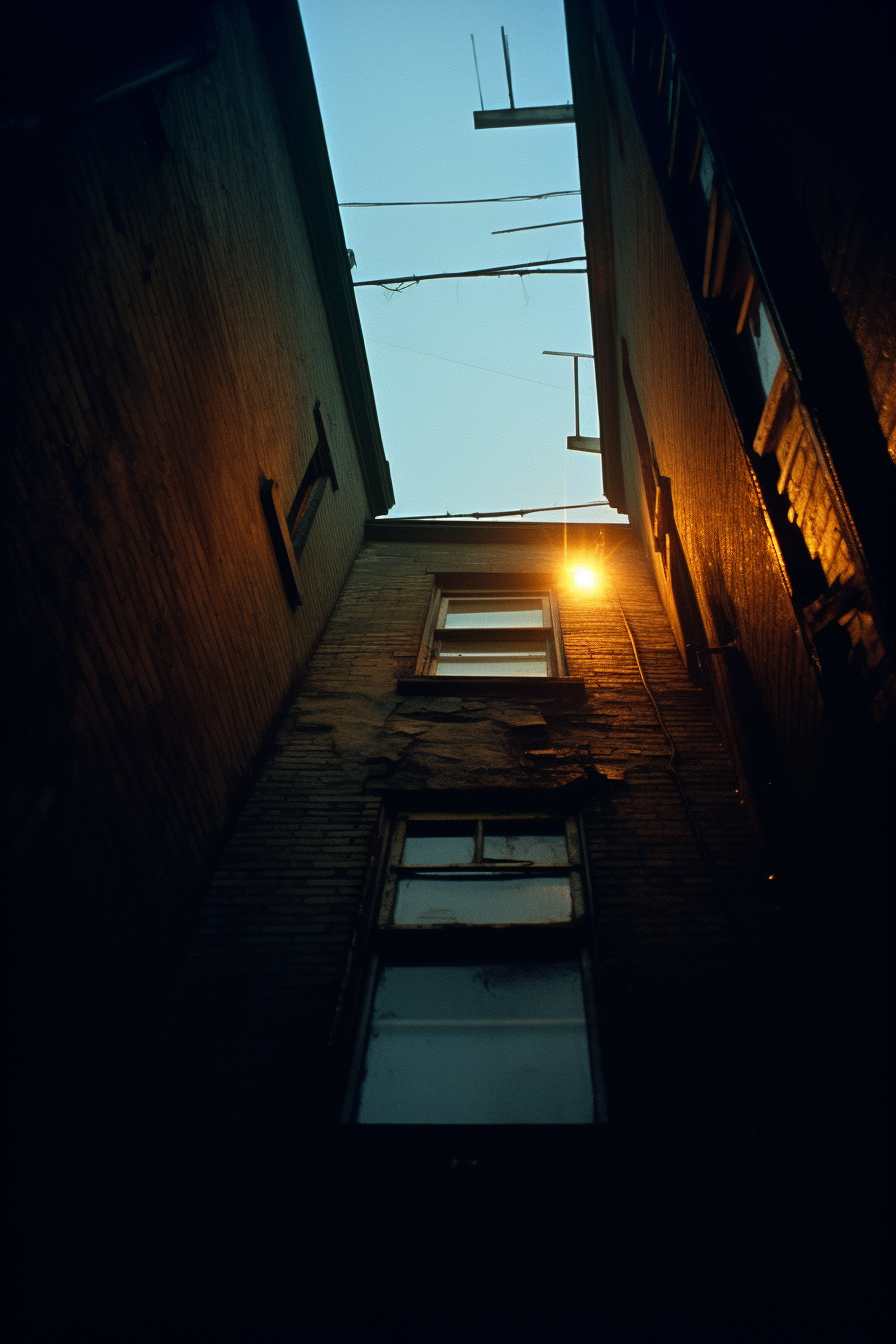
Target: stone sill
{"x": 570, "y": 690}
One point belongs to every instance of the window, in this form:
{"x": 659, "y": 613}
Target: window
{"x": 479, "y": 628}
{"x": 290, "y": 531}
{"x": 479, "y": 1006}
{"x": 312, "y": 488}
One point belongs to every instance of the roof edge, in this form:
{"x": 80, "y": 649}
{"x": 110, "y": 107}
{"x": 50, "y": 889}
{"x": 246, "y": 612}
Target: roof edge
{"x": 404, "y": 529}
{"x": 591, "y": 145}
{"x": 279, "y": 25}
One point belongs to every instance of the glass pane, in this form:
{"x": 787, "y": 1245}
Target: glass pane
{"x": 492, "y": 660}
{"x": 486, "y": 899}
{"x": 439, "y": 842}
{"x": 525, "y": 841}
{"x": 768, "y": 356}
{"x": 476, "y": 667}
{"x": 478, "y": 1045}
{"x": 490, "y": 612}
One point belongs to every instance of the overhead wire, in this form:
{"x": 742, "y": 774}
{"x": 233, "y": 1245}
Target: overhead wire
{"x": 520, "y": 268}
{"x": 466, "y": 364}
{"x": 527, "y": 228}
{"x": 501, "y": 513}
{"x": 408, "y": 282}
{"x": 474, "y": 200}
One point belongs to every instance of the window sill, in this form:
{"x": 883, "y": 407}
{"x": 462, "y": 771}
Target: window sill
{"x": 568, "y": 690}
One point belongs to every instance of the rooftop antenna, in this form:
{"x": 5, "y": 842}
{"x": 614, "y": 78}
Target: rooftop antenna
{"x": 478, "y": 80}
{"x": 517, "y": 116}
{"x": 579, "y": 442}
{"x": 507, "y": 63}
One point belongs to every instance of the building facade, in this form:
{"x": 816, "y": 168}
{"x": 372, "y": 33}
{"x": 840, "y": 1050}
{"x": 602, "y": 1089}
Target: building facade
{"x": 273, "y": 758}
{"x": 190, "y": 430}
{"x": 267, "y": 1103}
{"x": 739, "y": 228}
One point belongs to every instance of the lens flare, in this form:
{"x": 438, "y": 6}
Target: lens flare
{"x": 584, "y": 578}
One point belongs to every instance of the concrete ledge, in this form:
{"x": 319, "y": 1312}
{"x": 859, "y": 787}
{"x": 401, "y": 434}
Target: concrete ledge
{"x": 567, "y": 690}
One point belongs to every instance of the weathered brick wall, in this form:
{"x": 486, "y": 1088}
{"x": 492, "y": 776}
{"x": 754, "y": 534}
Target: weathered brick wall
{"x": 166, "y": 343}
{"x": 816, "y": 133}
{"x": 818, "y": 772}
{"x": 764, "y": 683}
{"x": 242, "y": 1056}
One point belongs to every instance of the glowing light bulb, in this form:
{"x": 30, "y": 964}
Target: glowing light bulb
{"x": 584, "y": 578}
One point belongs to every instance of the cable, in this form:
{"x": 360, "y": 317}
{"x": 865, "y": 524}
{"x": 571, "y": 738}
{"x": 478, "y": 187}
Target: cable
{"x": 502, "y": 513}
{"x": 398, "y": 286}
{"x": 527, "y": 228}
{"x": 695, "y": 825}
{"x": 465, "y": 364}
{"x": 520, "y": 268}
{"x": 670, "y": 764}
{"x": 474, "y": 200}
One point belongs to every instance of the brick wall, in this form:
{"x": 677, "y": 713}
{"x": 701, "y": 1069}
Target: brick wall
{"x": 816, "y": 763}
{"x": 239, "y": 1078}
{"x": 166, "y": 342}
{"x": 766, "y": 679}
{"x": 816, "y": 137}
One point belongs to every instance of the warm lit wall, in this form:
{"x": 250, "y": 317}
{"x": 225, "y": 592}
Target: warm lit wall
{"x": 766, "y": 679}
{"x": 167, "y": 342}
{"x": 818, "y": 772}
{"x": 805, "y": 112}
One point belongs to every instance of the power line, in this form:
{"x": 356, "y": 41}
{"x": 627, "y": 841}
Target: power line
{"x": 521, "y": 268}
{"x": 502, "y": 513}
{"x": 466, "y": 365}
{"x": 526, "y": 228}
{"x": 405, "y": 282}
{"x": 475, "y": 200}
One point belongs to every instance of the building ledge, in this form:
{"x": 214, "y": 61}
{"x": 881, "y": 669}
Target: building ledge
{"x": 289, "y": 64}
{"x": 562, "y": 690}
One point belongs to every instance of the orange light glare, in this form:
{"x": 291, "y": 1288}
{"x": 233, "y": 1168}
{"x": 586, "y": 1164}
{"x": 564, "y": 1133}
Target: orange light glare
{"x": 584, "y": 578}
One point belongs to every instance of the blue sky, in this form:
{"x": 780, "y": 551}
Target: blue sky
{"x": 397, "y": 88}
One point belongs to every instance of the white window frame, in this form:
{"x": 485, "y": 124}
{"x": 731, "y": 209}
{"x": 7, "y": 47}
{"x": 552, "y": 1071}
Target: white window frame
{"x": 548, "y": 636}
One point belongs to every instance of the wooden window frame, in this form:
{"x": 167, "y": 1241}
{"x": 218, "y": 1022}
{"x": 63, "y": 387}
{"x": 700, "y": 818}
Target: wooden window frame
{"x": 435, "y": 634}
{"x": 291, "y": 530}
{"x": 469, "y": 944}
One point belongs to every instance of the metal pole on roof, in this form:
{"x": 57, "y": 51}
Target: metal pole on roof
{"x": 517, "y": 116}
{"x": 575, "y": 374}
{"x": 507, "y": 64}
{"x": 580, "y": 444}
{"x": 478, "y": 80}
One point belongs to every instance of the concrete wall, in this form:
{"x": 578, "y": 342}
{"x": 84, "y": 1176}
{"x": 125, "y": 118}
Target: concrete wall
{"x": 166, "y": 342}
